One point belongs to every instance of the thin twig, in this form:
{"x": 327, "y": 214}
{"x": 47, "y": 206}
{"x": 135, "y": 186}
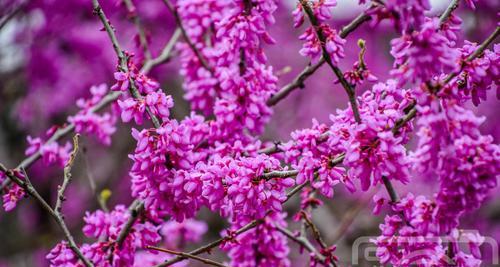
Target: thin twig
{"x": 187, "y": 255}
{"x": 315, "y": 231}
{"x": 279, "y": 174}
{"x": 211, "y": 245}
{"x": 12, "y": 14}
{"x": 122, "y": 58}
{"x": 302, "y": 241}
{"x": 165, "y": 53}
{"x": 271, "y": 149}
{"x": 349, "y": 217}
{"x": 135, "y": 209}
{"x": 28, "y": 187}
{"x": 67, "y": 176}
{"x": 140, "y": 29}
{"x": 349, "y": 89}
{"x": 298, "y": 82}
{"x": 449, "y": 10}
{"x": 188, "y": 40}
{"x": 105, "y": 102}
{"x": 390, "y": 190}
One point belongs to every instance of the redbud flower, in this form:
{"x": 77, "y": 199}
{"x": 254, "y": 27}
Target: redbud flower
{"x": 334, "y": 44}
{"x": 422, "y": 54}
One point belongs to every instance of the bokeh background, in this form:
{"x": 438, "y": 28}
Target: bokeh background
{"x": 52, "y": 51}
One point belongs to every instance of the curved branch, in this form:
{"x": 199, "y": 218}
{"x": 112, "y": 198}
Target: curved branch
{"x": 298, "y": 82}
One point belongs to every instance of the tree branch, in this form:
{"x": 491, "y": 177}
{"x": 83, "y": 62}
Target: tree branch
{"x": 67, "y": 177}
{"x": 165, "y": 53}
{"x": 302, "y": 241}
{"x": 123, "y": 61}
{"x": 188, "y": 40}
{"x": 298, "y": 82}
{"x": 135, "y": 209}
{"x": 449, "y": 10}
{"x": 140, "y": 29}
{"x": 105, "y": 101}
{"x": 187, "y": 255}
{"x": 349, "y": 89}
{"x": 28, "y": 187}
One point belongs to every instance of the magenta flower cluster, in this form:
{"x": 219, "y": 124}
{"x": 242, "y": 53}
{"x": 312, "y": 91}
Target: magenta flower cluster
{"x": 412, "y": 123}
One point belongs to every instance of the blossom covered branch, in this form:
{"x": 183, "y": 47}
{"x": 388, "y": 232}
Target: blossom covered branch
{"x": 407, "y": 124}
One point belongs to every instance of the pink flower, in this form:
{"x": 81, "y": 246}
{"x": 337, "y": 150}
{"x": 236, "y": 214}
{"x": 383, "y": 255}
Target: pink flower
{"x": 62, "y": 255}
{"x": 159, "y": 104}
{"x": 52, "y": 153}
{"x": 34, "y": 145}
{"x": 236, "y": 188}
{"x": 88, "y": 122}
{"x": 334, "y": 44}
{"x": 13, "y": 195}
{"x": 122, "y": 80}
{"x": 132, "y": 109}
{"x": 422, "y": 54}
{"x": 262, "y": 246}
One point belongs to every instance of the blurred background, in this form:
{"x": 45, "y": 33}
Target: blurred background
{"x": 51, "y": 52}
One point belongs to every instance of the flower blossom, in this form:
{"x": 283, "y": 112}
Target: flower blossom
{"x": 334, "y": 44}
{"x": 52, "y": 153}
{"x": 262, "y": 246}
{"x": 237, "y": 188}
{"x": 160, "y": 173}
{"x": 372, "y": 149}
{"x": 413, "y": 238}
{"x": 88, "y": 122}
{"x": 422, "y": 54}
{"x": 13, "y": 195}
{"x": 478, "y": 76}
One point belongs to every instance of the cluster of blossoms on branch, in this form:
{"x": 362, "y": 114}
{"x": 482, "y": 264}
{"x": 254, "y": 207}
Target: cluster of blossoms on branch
{"x": 329, "y": 38}
{"x": 215, "y": 158}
